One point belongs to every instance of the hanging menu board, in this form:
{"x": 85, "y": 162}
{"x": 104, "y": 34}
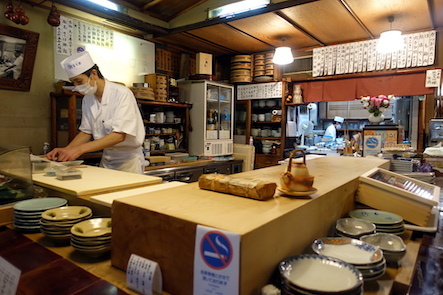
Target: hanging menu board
{"x": 260, "y": 91}
{"x": 356, "y": 57}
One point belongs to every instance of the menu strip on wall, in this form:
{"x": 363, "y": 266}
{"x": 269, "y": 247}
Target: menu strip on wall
{"x": 419, "y": 51}
{"x": 260, "y": 91}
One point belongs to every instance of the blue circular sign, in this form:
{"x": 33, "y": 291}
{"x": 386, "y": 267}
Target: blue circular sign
{"x": 372, "y": 142}
{"x": 216, "y": 250}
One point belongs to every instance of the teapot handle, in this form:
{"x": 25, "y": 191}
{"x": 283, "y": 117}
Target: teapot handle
{"x": 291, "y": 156}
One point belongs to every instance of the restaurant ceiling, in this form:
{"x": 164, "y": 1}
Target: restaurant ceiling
{"x": 306, "y": 24}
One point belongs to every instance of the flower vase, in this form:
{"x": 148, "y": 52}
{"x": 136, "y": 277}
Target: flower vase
{"x": 376, "y": 119}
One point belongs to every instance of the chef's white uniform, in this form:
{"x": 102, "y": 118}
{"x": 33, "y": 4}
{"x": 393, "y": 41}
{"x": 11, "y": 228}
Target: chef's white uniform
{"x": 117, "y": 112}
{"x": 330, "y": 132}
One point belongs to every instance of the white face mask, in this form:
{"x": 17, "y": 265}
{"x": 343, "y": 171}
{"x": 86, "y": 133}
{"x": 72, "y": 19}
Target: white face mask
{"x": 86, "y": 89}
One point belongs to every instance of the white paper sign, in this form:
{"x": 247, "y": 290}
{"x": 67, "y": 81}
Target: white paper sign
{"x": 433, "y": 78}
{"x": 216, "y": 262}
{"x": 372, "y": 145}
{"x": 10, "y": 275}
{"x": 144, "y": 276}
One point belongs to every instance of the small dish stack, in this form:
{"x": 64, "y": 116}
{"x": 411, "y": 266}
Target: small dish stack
{"x": 318, "y": 274}
{"x": 385, "y": 222}
{"x": 368, "y": 259}
{"x": 393, "y": 246}
{"x": 56, "y": 223}
{"x": 92, "y": 236}
{"x": 353, "y": 227}
{"x": 27, "y": 214}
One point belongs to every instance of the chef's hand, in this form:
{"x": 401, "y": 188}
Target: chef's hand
{"x": 64, "y": 154}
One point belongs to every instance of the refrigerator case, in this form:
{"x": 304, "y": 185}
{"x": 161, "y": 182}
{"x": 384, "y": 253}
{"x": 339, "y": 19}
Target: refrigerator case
{"x": 211, "y": 117}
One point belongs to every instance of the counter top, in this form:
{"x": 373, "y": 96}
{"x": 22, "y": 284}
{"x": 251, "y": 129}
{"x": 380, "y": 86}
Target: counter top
{"x": 204, "y": 207}
{"x": 95, "y": 180}
{"x": 272, "y": 229}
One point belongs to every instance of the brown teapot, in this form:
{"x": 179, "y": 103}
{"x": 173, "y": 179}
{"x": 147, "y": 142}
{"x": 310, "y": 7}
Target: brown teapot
{"x": 297, "y": 178}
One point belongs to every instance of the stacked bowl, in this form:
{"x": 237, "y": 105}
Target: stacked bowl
{"x": 393, "y": 247}
{"x": 92, "y": 236}
{"x": 318, "y": 274}
{"x": 353, "y": 228}
{"x": 27, "y": 214}
{"x": 385, "y": 222}
{"x": 56, "y": 223}
{"x": 368, "y": 259}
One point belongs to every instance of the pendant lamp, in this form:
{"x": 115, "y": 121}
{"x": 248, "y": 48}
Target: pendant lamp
{"x": 283, "y": 55}
{"x": 390, "y": 41}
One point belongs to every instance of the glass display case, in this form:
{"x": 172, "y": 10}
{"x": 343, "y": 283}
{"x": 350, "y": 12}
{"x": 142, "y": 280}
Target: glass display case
{"x": 15, "y": 174}
{"x": 211, "y": 117}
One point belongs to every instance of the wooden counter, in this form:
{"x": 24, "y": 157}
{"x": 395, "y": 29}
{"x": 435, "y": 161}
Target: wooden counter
{"x": 162, "y": 226}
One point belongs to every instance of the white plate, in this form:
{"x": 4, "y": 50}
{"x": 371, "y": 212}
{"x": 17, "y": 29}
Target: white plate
{"x": 92, "y": 227}
{"x": 320, "y": 273}
{"x": 376, "y": 216}
{"x": 40, "y": 204}
{"x": 347, "y": 249}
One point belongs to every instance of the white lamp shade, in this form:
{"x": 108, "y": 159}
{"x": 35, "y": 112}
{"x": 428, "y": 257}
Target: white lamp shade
{"x": 390, "y": 41}
{"x": 283, "y": 56}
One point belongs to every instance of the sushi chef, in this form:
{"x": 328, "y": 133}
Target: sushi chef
{"x": 331, "y": 131}
{"x": 111, "y": 120}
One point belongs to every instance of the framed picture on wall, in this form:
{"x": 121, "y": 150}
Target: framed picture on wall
{"x": 17, "y": 57}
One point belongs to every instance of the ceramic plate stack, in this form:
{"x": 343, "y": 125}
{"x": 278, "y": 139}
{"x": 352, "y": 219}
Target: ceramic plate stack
{"x": 27, "y": 214}
{"x": 368, "y": 259}
{"x": 385, "y": 222}
{"x": 318, "y": 274}
{"x": 57, "y": 223}
{"x": 401, "y": 165}
{"x": 92, "y": 236}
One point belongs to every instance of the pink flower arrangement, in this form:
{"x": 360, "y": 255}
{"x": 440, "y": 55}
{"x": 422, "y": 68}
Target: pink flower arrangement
{"x": 376, "y": 104}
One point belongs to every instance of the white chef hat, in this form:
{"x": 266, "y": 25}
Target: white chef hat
{"x": 339, "y": 119}
{"x": 77, "y": 64}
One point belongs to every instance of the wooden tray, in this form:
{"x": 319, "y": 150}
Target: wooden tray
{"x": 408, "y": 197}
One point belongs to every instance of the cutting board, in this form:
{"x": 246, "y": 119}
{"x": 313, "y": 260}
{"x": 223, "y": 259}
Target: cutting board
{"x": 95, "y": 180}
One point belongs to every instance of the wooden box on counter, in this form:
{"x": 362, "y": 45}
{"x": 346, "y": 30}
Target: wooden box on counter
{"x": 389, "y": 191}
{"x": 161, "y": 226}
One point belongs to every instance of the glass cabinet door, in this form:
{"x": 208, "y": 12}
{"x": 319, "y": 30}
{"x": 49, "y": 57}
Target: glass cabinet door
{"x": 218, "y": 112}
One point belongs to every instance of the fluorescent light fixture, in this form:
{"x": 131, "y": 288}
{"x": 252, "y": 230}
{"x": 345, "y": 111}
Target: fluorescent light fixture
{"x": 390, "y": 41}
{"x": 106, "y": 4}
{"x": 283, "y": 55}
{"x": 229, "y": 10}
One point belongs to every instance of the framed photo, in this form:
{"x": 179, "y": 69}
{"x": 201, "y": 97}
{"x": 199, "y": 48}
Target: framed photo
{"x": 17, "y": 56}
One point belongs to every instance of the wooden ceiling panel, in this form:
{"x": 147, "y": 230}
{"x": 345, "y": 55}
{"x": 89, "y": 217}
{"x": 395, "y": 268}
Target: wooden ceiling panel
{"x": 271, "y": 28}
{"x": 184, "y": 40}
{"x": 409, "y": 15}
{"x": 227, "y": 36}
{"x": 165, "y": 10}
{"x": 328, "y": 21}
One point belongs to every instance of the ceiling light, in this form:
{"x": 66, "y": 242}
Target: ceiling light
{"x": 390, "y": 41}
{"x": 106, "y": 4}
{"x": 235, "y": 8}
{"x": 283, "y": 55}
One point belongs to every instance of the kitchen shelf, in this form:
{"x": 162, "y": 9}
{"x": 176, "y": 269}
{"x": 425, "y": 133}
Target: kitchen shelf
{"x": 159, "y": 152}
{"x": 245, "y": 108}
